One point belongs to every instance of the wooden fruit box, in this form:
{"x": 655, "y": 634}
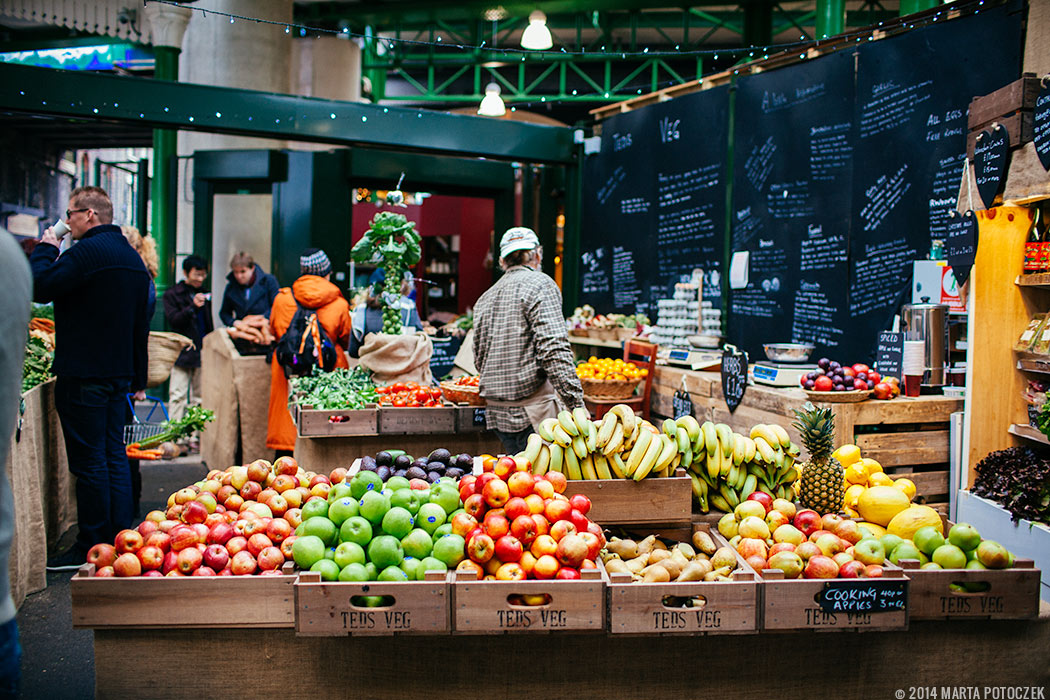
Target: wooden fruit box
{"x": 492, "y": 607}
{"x": 1010, "y": 105}
{"x": 183, "y": 601}
{"x": 791, "y": 604}
{"x": 331, "y": 609}
{"x": 310, "y": 422}
{"x": 417, "y": 421}
{"x": 726, "y": 607}
{"x": 1013, "y": 594}
{"x": 469, "y": 419}
{"x": 651, "y": 501}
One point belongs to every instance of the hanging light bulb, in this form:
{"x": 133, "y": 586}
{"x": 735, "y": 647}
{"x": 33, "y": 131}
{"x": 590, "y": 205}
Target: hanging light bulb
{"x": 537, "y": 36}
{"x": 492, "y": 104}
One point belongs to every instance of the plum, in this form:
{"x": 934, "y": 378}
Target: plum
{"x": 823, "y": 363}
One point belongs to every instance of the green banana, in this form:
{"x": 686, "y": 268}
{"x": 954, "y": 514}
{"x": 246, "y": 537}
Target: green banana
{"x": 781, "y": 435}
{"x": 579, "y": 446}
{"x": 608, "y": 427}
{"x": 532, "y": 448}
{"x": 587, "y": 468}
{"x": 545, "y": 427}
{"x": 725, "y": 438}
{"x": 592, "y": 437}
{"x": 568, "y": 424}
{"x": 750, "y": 484}
{"x": 730, "y": 495}
{"x": 561, "y": 437}
{"x": 572, "y": 466}
{"x": 543, "y": 460}
{"x": 692, "y": 427}
{"x": 652, "y": 454}
{"x": 719, "y": 502}
{"x": 557, "y": 463}
{"x": 669, "y": 427}
{"x": 710, "y": 438}
{"x": 601, "y": 466}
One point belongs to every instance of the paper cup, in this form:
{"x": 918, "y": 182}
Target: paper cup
{"x": 60, "y": 229}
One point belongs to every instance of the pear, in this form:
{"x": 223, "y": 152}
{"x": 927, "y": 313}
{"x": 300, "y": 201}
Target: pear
{"x": 703, "y": 542}
{"x": 656, "y": 573}
{"x": 686, "y": 549}
{"x": 724, "y": 557}
{"x": 658, "y": 555}
{"x": 625, "y": 549}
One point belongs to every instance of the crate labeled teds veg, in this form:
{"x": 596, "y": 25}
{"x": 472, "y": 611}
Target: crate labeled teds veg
{"x": 665, "y": 587}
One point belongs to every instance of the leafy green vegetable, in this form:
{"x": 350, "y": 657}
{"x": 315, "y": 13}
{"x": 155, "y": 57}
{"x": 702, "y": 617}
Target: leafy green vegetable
{"x": 195, "y": 418}
{"x": 43, "y": 311}
{"x": 37, "y": 366}
{"x": 340, "y": 388}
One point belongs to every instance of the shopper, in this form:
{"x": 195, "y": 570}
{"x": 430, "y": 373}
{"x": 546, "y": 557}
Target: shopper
{"x": 188, "y": 310}
{"x": 249, "y": 290}
{"x": 521, "y": 347}
{"x": 313, "y": 290}
{"x": 100, "y": 289}
{"x": 14, "y": 316}
{"x": 368, "y": 317}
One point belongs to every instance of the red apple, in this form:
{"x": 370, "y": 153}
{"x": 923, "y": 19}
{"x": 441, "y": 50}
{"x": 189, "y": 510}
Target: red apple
{"x": 146, "y": 527}
{"x": 756, "y": 562}
{"x": 516, "y": 506}
{"x": 294, "y": 516}
{"x": 546, "y": 567}
{"x": 572, "y": 550}
{"x": 128, "y": 541}
{"x": 829, "y": 521}
{"x": 496, "y": 493}
{"x": 257, "y": 543}
{"x": 781, "y": 547}
{"x": 127, "y": 564}
{"x": 851, "y": 569}
{"x": 158, "y": 539}
{"x": 817, "y": 534}
{"x": 259, "y": 470}
{"x": 581, "y": 503}
{"x": 151, "y": 558}
{"x": 820, "y": 566}
{"x": 807, "y": 550}
{"x": 568, "y": 573}
{"x": 216, "y": 557}
{"x": 286, "y": 547}
{"x": 243, "y": 563}
{"x": 237, "y": 544}
{"x": 556, "y": 510}
{"x": 463, "y": 524}
{"x": 808, "y": 521}
{"x": 171, "y": 561}
{"x": 250, "y": 491}
{"x": 849, "y": 531}
{"x": 520, "y": 484}
{"x": 504, "y": 467}
{"x": 189, "y": 559}
{"x": 788, "y": 562}
{"x": 480, "y": 548}
{"x": 495, "y": 526}
{"x": 562, "y": 528}
{"x": 829, "y": 544}
{"x": 145, "y": 574}
{"x": 752, "y": 547}
{"x": 542, "y": 525}
{"x": 204, "y": 571}
{"x": 523, "y": 528}
{"x": 220, "y": 534}
{"x": 764, "y": 498}
{"x": 286, "y": 465}
{"x": 508, "y": 549}
{"x": 475, "y": 505}
{"x": 594, "y": 545}
{"x": 511, "y": 571}
{"x": 270, "y": 558}
{"x": 278, "y": 530}
{"x": 872, "y": 571}
{"x": 102, "y": 555}
{"x": 182, "y": 537}
{"x": 579, "y": 520}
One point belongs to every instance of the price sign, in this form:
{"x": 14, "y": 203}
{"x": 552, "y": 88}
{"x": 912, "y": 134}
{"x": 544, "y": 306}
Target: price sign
{"x": 889, "y": 354}
{"x": 478, "y": 418}
{"x": 734, "y": 376}
{"x": 962, "y": 244}
{"x": 989, "y": 161}
{"x": 1041, "y": 123}
{"x": 681, "y": 404}
{"x": 863, "y": 596}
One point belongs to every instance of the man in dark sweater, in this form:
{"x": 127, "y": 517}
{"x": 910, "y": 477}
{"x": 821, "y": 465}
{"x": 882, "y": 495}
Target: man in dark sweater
{"x": 249, "y": 290}
{"x": 100, "y": 289}
{"x": 188, "y": 310}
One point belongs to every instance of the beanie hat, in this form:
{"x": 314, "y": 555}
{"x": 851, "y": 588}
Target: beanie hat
{"x": 314, "y": 262}
{"x": 517, "y": 238}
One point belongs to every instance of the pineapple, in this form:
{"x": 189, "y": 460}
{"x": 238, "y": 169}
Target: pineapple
{"x": 822, "y": 476}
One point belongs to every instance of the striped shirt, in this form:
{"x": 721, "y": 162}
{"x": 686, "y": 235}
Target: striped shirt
{"x": 520, "y": 342}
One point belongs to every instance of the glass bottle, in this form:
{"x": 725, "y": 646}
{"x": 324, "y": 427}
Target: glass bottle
{"x": 1034, "y": 245}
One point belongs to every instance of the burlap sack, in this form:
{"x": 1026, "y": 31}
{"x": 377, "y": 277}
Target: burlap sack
{"x": 397, "y": 358}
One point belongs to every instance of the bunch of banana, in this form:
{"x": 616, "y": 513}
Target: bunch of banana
{"x": 727, "y": 467}
{"x": 620, "y": 446}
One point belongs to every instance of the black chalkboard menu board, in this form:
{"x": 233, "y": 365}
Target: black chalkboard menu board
{"x": 889, "y": 354}
{"x": 1041, "y": 123}
{"x": 654, "y": 206}
{"x": 910, "y": 149}
{"x": 793, "y": 162}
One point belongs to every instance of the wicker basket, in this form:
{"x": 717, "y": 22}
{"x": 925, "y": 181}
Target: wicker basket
{"x": 625, "y": 333}
{"x": 462, "y": 394}
{"x": 605, "y": 389}
{"x": 163, "y": 349}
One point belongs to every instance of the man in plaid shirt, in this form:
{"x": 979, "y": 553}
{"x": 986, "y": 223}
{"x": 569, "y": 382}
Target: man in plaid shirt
{"x": 520, "y": 345}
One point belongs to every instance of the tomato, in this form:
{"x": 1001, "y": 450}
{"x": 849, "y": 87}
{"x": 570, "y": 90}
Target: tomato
{"x": 382, "y": 390}
{"x": 399, "y": 403}
{"x": 398, "y": 387}
{"x": 432, "y": 403}
{"x": 411, "y": 386}
{"x": 435, "y": 393}
{"x": 422, "y": 395}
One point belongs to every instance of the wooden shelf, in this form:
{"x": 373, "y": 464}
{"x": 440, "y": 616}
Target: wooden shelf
{"x": 595, "y": 342}
{"x": 1028, "y": 432}
{"x": 1039, "y": 279}
{"x": 1041, "y": 366}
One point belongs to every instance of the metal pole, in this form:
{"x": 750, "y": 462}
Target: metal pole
{"x": 142, "y": 195}
{"x": 831, "y": 17}
{"x": 164, "y": 149}
{"x": 910, "y": 7}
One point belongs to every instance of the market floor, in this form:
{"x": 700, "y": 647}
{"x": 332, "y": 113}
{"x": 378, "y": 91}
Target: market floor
{"x": 58, "y": 661}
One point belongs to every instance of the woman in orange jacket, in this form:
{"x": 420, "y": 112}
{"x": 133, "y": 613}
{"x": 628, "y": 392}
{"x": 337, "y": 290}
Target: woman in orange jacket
{"x": 313, "y": 290}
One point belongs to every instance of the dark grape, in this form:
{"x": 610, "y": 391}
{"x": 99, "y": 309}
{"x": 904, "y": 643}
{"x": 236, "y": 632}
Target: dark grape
{"x": 810, "y": 384}
{"x": 823, "y": 363}
{"x": 863, "y": 376}
{"x": 811, "y": 375}
{"x": 871, "y": 384}
{"x": 835, "y": 366}
{"x": 838, "y": 387}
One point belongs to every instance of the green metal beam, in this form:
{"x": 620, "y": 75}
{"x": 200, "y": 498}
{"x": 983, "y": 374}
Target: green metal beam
{"x": 831, "y": 18}
{"x": 910, "y": 7}
{"x": 248, "y": 112}
{"x": 162, "y": 185}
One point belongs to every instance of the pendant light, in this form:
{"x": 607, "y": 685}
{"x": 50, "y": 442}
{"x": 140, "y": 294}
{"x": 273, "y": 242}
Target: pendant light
{"x": 492, "y": 104}
{"x": 537, "y": 36}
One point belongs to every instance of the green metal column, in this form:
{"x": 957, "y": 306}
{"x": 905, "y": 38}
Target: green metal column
{"x": 164, "y": 149}
{"x": 910, "y": 7}
{"x": 831, "y": 18}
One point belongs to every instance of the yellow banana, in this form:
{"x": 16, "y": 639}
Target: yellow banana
{"x": 616, "y": 466}
{"x": 692, "y": 427}
{"x": 749, "y": 453}
{"x": 766, "y": 433}
{"x": 714, "y": 465}
{"x": 587, "y": 468}
{"x": 561, "y": 437}
{"x": 739, "y": 449}
{"x": 699, "y": 486}
{"x": 572, "y": 466}
{"x": 532, "y": 448}
{"x": 543, "y": 460}
{"x": 667, "y": 455}
{"x": 579, "y": 446}
{"x": 581, "y": 418}
{"x": 568, "y": 424}
{"x": 710, "y": 437}
{"x": 652, "y": 453}
{"x": 615, "y": 442}
{"x": 557, "y": 463}
{"x": 608, "y": 427}
{"x": 627, "y": 417}
{"x": 682, "y": 440}
{"x": 765, "y": 450}
{"x": 725, "y": 465}
{"x": 629, "y": 440}
{"x": 641, "y": 445}
{"x": 601, "y": 466}
{"x": 782, "y": 435}
{"x": 592, "y": 437}
{"x": 545, "y": 427}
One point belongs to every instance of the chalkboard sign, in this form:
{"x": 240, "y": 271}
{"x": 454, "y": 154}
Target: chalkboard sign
{"x": 444, "y": 355}
{"x": 863, "y": 596}
{"x": 962, "y": 244}
{"x": 1041, "y": 123}
{"x": 734, "y": 376}
{"x": 478, "y": 419}
{"x": 889, "y": 354}
{"x": 989, "y": 161}
{"x": 681, "y": 404}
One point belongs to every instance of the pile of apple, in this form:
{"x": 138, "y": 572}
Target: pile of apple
{"x": 235, "y": 522}
{"x": 518, "y": 525}
{"x": 770, "y": 534}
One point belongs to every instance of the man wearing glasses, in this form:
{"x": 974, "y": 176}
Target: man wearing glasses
{"x": 100, "y": 289}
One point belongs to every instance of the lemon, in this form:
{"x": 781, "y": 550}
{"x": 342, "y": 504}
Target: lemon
{"x": 857, "y": 474}
{"x": 871, "y": 465}
{"x": 880, "y": 479}
{"x": 847, "y": 454}
{"x": 853, "y": 495}
{"x": 908, "y": 521}
{"x": 907, "y": 486}
{"x": 879, "y": 504}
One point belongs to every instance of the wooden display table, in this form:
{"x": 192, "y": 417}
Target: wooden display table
{"x": 908, "y": 436}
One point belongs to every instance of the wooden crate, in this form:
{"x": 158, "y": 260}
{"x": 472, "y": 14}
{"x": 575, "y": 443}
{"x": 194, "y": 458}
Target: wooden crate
{"x": 310, "y": 422}
{"x": 1010, "y": 106}
{"x": 183, "y": 601}
{"x": 469, "y": 419}
{"x": 327, "y": 609}
{"x": 485, "y": 607}
{"x": 651, "y": 501}
{"x": 416, "y": 421}
{"x": 727, "y": 606}
{"x": 790, "y": 604}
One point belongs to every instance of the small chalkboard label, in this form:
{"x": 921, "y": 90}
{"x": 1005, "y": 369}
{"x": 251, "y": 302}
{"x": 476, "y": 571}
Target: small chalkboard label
{"x": 734, "y": 376}
{"x": 681, "y": 404}
{"x": 961, "y": 244}
{"x": 863, "y": 596}
{"x": 989, "y": 161}
{"x": 1041, "y": 123}
{"x": 889, "y": 354}
{"x": 478, "y": 419}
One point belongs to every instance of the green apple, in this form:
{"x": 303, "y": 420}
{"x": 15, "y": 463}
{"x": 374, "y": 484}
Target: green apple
{"x": 341, "y": 509}
{"x": 356, "y": 529}
{"x": 349, "y": 553}
{"x": 392, "y": 573}
{"x": 372, "y": 571}
{"x": 364, "y": 481}
{"x": 407, "y": 499}
{"x": 949, "y": 557}
{"x": 307, "y": 551}
{"x": 993, "y": 555}
{"x": 340, "y": 490}
{"x": 449, "y": 549}
{"x": 890, "y": 542}
{"x": 928, "y": 539}
{"x": 975, "y": 564}
{"x": 298, "y": 531}
{"x": 931, "y": 566}
{"x": 321, "y": 527}
{"x": 445, "y": 495}
{"x": 424, "y": 494}
{"x": 905, "y": 550}
{"x": 354, "y": 572}
{"x": 398, "y": 522}
{"x": 964, "y": 536}
{"x": 430, "y": 517}
{"x": 328, "y": 569}
{"x": 330, "y": 553}
{"x": 442, "y": 531}
{"x": 976, "y": 586}
{"x": 316, "y": 508}
{"x": 417, "y": 544}
{"x": 869, "y": 551}
{"x": 396, "y": 483}
{"x": 410, "y": 565}
{"x": 373, "y": 506}
{"x": 430, "y": 564}
{"x": 453, "y": 514}
{"x": 384, "y": 551}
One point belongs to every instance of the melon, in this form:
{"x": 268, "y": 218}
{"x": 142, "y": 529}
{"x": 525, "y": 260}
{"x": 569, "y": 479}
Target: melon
{"x": 905, "y": 523}
{"x": 879, "y": 504}
{"x": 877, "y": 530}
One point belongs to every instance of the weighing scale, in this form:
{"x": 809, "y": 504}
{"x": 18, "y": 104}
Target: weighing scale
{"x": 779, "y": 373}
{"x": 695, "y": 360}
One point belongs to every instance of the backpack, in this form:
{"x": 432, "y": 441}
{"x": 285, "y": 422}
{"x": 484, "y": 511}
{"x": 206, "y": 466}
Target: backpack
{"x": 304, "y": 345}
